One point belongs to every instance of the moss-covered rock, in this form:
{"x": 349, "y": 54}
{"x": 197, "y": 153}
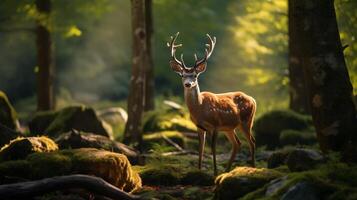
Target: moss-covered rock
{"x": 81, "y": 118}
{"x": 278, "y": 158}
{"x": 21, "y": 147}
{"x": 112, "y": 167}
{"x": 77, "y": 139}
{"x": 168, "y": 120}
{"x": 269, "y": 126}
{"x": 158, "y": 138}
{"x": 330, "y": 181}
{"x": 41, "y": 121}
{"x": 294, "y": 137}
{"x": 304, "y": 159}
{"x": 241, "y": 181}
{"x": 8, "y": 116}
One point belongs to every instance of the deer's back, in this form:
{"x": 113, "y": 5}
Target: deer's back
{"x": 224, "y": 111}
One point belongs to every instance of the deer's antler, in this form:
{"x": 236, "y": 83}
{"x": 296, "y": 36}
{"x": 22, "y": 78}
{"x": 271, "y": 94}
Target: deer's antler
{"x": 208, "y": 50}
{"x": 173, "y": 48}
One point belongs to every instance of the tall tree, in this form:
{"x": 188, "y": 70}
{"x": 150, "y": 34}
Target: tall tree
{"x": 149, "y": 69}
{"x": 45, "y": 64}
{"x": 136, "y": 99}
{"x": 326, "y": 75}
{"x": 299, "y": 101}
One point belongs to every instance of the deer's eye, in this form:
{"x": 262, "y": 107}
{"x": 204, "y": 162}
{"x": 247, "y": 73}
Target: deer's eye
{"x": 195, "y": 75}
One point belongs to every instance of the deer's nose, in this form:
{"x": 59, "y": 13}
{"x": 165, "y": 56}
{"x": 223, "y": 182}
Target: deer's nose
{"x": 187, "y": 84}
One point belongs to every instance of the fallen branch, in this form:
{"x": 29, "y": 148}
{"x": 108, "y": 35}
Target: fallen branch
{"x": 172, "y": 142}
{"x": 90, "y": 183}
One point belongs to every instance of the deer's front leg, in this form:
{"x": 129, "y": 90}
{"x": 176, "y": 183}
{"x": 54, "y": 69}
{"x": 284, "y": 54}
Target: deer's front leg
{"x": 213, "y": 146}
{"x": 202, "y": 139}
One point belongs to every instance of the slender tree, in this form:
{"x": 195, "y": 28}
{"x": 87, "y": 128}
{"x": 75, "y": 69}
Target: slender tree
{"x": 149, "y": 69}
{"x": 136, "y": 99}
{"x": 327, "y": 80}
{"x": 45, "y": 64}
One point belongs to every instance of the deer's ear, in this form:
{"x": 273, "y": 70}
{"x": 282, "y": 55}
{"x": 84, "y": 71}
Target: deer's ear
{"x": 201, "y": 67}
{"x": 176, "y": 67}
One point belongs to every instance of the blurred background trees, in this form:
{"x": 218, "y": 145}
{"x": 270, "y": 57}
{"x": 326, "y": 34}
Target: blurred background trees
{"x": 92, "y": 48}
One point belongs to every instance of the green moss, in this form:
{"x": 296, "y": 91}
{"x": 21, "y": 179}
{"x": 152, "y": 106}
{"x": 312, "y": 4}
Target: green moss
{"x": 150, "y": 140}
{"x": 8, "y": 116}
{"x": 197, "y": 177}
{"x": 269, "y": 126}
{"x": 167, "y": 175}
{"x": 20, "y": 147}
{"x": 11, "y": 171}
{"x": 295, "y": 137}
{"x": 49, "y": 164}
{"x": 242, "y": 180}
{"x": 168, "y": 120}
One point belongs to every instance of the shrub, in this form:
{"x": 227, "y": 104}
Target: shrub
{"x": 294, "y": 137}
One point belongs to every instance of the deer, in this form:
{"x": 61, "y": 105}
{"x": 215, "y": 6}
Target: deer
{"x": 213, "y": 113}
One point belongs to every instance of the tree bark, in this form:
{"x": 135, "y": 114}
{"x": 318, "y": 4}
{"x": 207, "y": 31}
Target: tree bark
{"x": 299, "y": 101}
{"x": 327, "y": 80}
{"x": 136, "y": 99}
{"x": 45, "y": 65}
{"x": 25, "y": 190}
{"x": 149, "y": 70}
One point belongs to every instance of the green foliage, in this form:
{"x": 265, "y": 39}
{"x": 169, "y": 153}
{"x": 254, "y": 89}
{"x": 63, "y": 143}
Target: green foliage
{"x": 269, "y": 126}
{"x": 346, "y": 20}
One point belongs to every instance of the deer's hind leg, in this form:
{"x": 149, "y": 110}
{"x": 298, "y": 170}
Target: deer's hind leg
{"x": 247, "y": 131}
{"x": 232, "y": 137}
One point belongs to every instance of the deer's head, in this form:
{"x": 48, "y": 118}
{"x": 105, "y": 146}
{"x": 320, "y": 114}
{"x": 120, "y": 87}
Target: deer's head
{"x": 189, "y": 74}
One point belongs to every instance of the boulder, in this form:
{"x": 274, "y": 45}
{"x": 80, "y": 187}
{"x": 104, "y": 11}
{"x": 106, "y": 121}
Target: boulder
{"x": 21, "y": 147}
{"x": 75, "y": 117}
{"x": 8, "y": 114}
{"x": 304, "y": 159}
{"x": 275, "y": 185}
{"x": 301, "y": 190}
{"x": 7, "y": 134}
{"x": 76, "y": 139}
{"x": 278, "y": 158}
{"x": 113, "y": 167}
{"x": 269, "y": 126}
{"x": 241, "y": 181}
{"x": 197, "y": 177}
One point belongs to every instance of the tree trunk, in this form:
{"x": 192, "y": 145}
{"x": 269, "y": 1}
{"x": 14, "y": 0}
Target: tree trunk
{"x": 25, "y": 190}
{"x": 45, "y": 65}
{"x": 326, "y": 75}
{"x": 136, "y": 99}
{"x": 297, "y": 86}
{"x": 149, "y": 70}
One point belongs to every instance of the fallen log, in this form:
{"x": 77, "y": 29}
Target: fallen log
{"x": 91, "y": 184}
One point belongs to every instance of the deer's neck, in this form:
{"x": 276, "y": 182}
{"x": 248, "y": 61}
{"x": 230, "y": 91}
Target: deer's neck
{"x": 193, "y": 98}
